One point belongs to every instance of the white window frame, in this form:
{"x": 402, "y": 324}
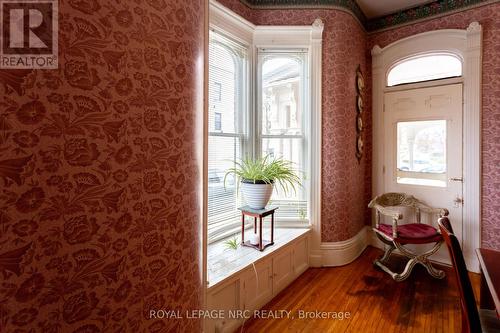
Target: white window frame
{"x": 306, "y": 132}
{"x": 238, "y": 30}
{"x": 228, "y": 23}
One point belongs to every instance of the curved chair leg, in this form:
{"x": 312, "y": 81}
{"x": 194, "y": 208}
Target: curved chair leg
{"x": 387, "y": 253}
{"x": 386, "y": 269}
{"x": 413, "y": 260}
{"x": 422, "y": 259}
{"x": 433, "y": 271}
{"x": 406, "y": 272}
{"x": 380, "y": 262}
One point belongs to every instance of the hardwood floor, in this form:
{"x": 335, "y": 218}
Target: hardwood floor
{"x": 375, "y": 302}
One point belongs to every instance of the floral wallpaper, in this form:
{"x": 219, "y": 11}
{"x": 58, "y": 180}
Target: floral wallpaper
{"x": 489, "y": 18}
{"x": 99, "y": 211}
{"x": 346, "y": 184}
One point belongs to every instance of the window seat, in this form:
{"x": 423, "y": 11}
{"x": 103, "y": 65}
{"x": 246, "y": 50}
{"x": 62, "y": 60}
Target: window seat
{"x": 244, "y": 280}
{"x": 222, "y": 263}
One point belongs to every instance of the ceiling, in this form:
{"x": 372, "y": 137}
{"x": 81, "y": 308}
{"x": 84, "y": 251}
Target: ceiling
{"x": 377, "y": 8}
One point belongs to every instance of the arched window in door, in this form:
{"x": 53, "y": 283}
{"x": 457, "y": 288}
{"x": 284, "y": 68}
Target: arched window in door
{"x": 424, "y": 68}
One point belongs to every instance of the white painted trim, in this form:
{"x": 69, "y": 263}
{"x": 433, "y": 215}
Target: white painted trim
{"x": 472, "y": 146}
{"x": 466, "y": 45}
{"x": 316, "y": 141}
{"x": 417, "y": 85}
{"x": 345, "y": 252}
{"x": 238, "y": 279}
{"x": 227, "y": 21}
{"x": 310, "y": 37}
{"x": 285, "y": 36}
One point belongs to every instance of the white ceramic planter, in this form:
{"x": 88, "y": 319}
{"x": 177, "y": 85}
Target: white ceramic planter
{"x": 256, "y": 196}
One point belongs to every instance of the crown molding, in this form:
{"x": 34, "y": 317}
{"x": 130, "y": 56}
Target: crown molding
{"x": 349, "y": 6}
{"x": 422, "y": 13}
{"x": 412, "y": 15}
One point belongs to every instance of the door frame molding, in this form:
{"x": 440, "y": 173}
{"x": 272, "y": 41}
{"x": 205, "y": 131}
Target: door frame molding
{"x": 465, "y": 44}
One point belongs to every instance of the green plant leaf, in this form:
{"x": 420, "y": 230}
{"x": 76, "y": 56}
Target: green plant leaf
{"x": 231, "y": 244}
{"x": 264, "y": 169}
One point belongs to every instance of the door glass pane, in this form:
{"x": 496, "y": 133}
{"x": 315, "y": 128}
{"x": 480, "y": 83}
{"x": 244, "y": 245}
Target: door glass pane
{"x": 425, "y": 68}
{"x": 421, "y": 152}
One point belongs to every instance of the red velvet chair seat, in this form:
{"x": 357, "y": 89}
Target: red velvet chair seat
{"x": 412, "y": 233}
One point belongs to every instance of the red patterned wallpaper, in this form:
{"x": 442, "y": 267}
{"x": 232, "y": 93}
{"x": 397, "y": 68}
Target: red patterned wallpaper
{"x": 489, "y": 18}
{"x": 99, "y": 211}
{"x": 346, "y": 184}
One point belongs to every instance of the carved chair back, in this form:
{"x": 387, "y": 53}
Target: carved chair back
{"x": 394, "y": 200}
{"x": 470, "y": 316}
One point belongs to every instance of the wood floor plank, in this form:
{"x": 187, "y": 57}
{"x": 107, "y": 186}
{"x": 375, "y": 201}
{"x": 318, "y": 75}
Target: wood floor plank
{"x": 375, "y": 301}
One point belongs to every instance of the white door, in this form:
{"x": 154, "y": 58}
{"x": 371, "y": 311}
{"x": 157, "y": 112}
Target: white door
{"x": 423, "y": 150}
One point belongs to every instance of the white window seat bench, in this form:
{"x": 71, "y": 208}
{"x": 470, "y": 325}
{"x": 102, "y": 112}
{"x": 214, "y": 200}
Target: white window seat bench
{"x": 246, "y": 279}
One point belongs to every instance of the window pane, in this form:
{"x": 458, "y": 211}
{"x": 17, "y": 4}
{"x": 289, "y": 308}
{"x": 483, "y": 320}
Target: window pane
{"x": 223, "y": 88}
{"x": 294, "y": 203}
{"x": 425, "y": 68}
{"x": 282, "y": 111}
{"x": 226, "y": 111}
{"x": 283, "y": 123}
{"x": 222, "y": 198}
{"x": 421, "y": 152}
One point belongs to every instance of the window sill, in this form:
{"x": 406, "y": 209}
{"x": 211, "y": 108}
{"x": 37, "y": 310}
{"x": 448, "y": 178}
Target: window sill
{"x": 222, "y": 263}
{"x": 278, "y": 224}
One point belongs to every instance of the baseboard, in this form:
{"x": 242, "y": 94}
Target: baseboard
{"x": 344, "y": 252}
{"x": 315, "y": 259}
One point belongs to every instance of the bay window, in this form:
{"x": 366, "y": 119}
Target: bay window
{"x": 261, "y": 104}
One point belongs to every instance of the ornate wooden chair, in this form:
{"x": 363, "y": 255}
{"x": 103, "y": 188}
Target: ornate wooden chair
{"x": 472, "y": 320}
{"x": 396, "y": 236}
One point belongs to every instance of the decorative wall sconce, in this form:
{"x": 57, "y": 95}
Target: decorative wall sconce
{"x": 360, "y": 87}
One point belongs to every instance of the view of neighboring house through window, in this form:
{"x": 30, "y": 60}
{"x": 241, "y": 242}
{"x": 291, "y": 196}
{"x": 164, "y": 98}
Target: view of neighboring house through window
{"x": 217, "y": 92}
{"x": 284, "y": 117}
{"x": 421, "y": 152}
{"x": 218, "y": 121}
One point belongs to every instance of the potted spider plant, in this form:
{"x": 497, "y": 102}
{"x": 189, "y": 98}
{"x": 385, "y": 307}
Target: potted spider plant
{"x": 258, "y": 177}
